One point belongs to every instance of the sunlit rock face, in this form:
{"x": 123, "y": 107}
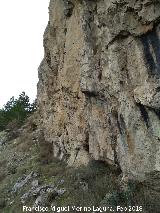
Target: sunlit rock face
{"x": 99, "y": 83}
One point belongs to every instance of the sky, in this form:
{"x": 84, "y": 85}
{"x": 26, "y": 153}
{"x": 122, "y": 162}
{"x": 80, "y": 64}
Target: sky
{"x": 21, "y": 46}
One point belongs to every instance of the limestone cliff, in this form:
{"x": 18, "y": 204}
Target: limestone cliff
{"x": 99, "y": 83}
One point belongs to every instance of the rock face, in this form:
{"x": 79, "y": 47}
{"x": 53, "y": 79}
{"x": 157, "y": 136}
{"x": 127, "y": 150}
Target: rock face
{"x": 99, "y": 83}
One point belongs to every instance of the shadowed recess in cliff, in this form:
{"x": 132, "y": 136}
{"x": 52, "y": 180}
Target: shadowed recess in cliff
{"x": 144, "y": 114}
{"x": 90, "y": 93}
{"x": 151, "y": 45}
{"x": 121, "y": 124}
{"x": 68, "y": 8}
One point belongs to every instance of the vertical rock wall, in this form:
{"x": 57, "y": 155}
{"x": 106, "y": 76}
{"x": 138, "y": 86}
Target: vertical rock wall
{"x": 99, "y": 83}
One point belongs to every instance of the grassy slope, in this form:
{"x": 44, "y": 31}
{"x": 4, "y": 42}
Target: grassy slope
{"x": 23, "y": 155}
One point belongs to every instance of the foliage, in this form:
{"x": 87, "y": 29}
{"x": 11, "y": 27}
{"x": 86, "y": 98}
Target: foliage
{"x": 16, "y": 111}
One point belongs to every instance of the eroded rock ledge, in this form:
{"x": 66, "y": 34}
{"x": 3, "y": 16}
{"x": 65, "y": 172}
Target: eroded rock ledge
{"x": 99, "y": 83}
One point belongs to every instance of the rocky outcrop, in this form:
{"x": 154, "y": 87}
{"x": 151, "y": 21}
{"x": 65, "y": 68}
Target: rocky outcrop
{"x": 99, "y": 83}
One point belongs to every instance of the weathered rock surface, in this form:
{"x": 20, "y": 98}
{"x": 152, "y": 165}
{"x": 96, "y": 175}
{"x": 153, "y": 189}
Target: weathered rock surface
{"x": 42, "y": 194}
{"x": 99, "y": 83}
{"x": 23, "y": 181}
{"x": 3, "y": 138}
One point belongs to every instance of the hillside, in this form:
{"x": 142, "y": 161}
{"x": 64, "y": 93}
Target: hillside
{"x": 32, "y": 179}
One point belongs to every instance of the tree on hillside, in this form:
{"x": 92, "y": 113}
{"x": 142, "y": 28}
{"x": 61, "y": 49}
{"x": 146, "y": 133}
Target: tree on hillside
{"x": 16, "y": 110}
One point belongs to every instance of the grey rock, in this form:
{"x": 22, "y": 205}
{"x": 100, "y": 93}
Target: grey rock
{"x": 60, "y": 191}
{"x": 43, "y": 194}
{"x": 35, "y": 183}
{"x": 22, "y": 181}
{"x": 84, "y": 185}
{"x": 3, "y": 138}
{"x": 40, "y": 200}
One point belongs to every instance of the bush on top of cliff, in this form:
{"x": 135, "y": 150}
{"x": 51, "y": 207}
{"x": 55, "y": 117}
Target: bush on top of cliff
{"x": 15, "y": 112}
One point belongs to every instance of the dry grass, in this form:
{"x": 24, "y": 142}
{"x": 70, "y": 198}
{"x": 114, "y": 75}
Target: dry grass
{"x": 87, "y": 185}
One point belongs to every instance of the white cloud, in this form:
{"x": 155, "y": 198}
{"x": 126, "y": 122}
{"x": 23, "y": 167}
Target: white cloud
{"x": 21, "y": 46}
